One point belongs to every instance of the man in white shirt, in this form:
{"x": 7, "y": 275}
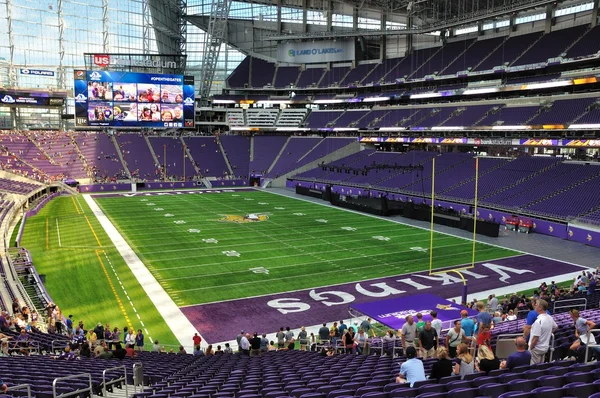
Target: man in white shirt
{"x": 541, "y": 332}
{"x": 436, "y": 323}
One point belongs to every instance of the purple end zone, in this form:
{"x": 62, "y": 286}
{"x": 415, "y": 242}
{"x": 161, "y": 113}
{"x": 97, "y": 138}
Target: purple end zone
{"x": 222, "y": 321}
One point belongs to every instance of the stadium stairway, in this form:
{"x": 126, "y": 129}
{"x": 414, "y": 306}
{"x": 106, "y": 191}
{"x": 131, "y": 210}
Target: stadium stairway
{"x": 154, "y": 157}
{"x": 229, "y": 168}
{"x": 191, "y": 158}
{"x": 120, "y": 155}
{"x": 492, "y": 51}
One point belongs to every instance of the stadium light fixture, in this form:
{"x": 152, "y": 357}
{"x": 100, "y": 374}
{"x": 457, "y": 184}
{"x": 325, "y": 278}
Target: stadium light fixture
{"x": 376, "y": 99}
{"x": 425, "y": 95}
{"x": 218, "y": 101}
{"x": 485, "y": 90}
{"x": 329, "y": 101}
{"x": 447, "y": 128}
{"x": 511, "y": 127}
{"x": 561, "y": 83}
{"x": 584, "y": 126}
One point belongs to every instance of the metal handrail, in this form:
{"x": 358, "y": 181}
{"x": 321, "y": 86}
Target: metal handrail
{"x": 62, "y": 343}
{"x": 20, "y": 387}
{"x": 568, "y": 305}
{"x": 124, "y": 379}
{"x": 76, "y": 392}
{"x": 588, "y": 346}
{"x": 551, "y": 349}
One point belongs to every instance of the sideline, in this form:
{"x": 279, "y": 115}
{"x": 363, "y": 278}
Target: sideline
{"x": 181, "y": 327}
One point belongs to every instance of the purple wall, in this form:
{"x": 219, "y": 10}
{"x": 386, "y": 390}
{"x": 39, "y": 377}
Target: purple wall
{"x": 161, "y": 185}
{"x": 585, "y": 236}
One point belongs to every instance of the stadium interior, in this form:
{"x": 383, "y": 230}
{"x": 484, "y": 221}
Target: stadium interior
{"x": 190, "y": 169}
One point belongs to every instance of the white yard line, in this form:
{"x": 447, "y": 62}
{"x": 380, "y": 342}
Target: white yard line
{"x": 181, "y": 327}
{"x": 58, "y": 233}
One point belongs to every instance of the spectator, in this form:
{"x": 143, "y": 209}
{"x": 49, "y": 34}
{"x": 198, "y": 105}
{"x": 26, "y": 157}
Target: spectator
{"x": 196, "y": 339}
{"x": 463, "y": 364}
{"x": 324, "y": 333}
{"x": 436, "y": 323}
{"x": 582, "y": 328}
{"x": 181, "y": 351}
{"x": 227, "y": 349}
{"x": 218, "y": 351}
{"x": 198, "y": 351}
{"x": 519, "y": 358}
{"x": 239, "y": 340}
{"x": 511, "y": 316}
{"x": 139, "y": 341}
{"x": 420, "y": 322}
{"x": 467, "y": 324}
{"x": 289, "y": 335}
{"x": 454, "y": 337}
{"x": 366, "y": 326}
{"x": 409, "y": 333}
{"x": 119, "y": 352}
{"x": 255, "y": 345}
{"x": 209, "y": 351}
{"x": 129, "y": 351}
{"x": 362, "y": 342}
{"x": 280, "y": 336}
{"x": 541, "y": 331}
{"x": 412, "y": 370}
{"x": 484, "y": 319}
{"x": 245, "y": 345}
{"x": 264, "y": 343}
{"x": 486, "y": 361}
{"x": 348, "y": 341}
{"x": 303, "y": 338}
{"x": 428, "y": 341}
{"x": 156, "y": 346}
{"x": 443, "y": 366}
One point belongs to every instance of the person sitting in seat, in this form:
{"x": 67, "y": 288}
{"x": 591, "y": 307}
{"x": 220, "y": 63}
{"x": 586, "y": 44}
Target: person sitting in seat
{"x": 412, "y": 370}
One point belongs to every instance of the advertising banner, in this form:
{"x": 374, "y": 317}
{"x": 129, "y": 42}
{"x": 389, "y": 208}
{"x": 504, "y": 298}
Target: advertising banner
{"x": 581, "y": 143}
{"x": 317, "y": 52}
{"x": 538, "y": 142}
{"x": 29, "y": 98}
{"x": 585, "y": 236}
{"x": 36, "y": 72}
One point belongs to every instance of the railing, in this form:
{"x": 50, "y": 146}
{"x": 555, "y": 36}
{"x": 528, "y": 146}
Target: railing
{"x": 588, "y": 346}
{"x": 76, "y": 392}
{"x": 113, "y": 381}
{"x": 578, "y": 303}
{"x": 21, "y": 387}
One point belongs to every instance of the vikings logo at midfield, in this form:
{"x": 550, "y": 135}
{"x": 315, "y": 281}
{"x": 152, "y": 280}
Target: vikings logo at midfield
{"x": 253, "y": 217}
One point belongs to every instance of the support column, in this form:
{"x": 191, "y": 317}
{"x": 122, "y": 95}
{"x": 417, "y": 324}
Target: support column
{"x": 409, "y": 37}
{"x": 595, "y": 13}
{"x": 105, "y": 37}
{"x": 329, "y": 15}
{"x": 61, "y": 78}
{"x": 147, "y": 18}
{"x": 12, "y": 74}
{"x": 383, "y": 38}
{"x": 549, "y": 21}
{"x": 355, "y": 18}
{"x": 513, "y": 26}
{"x": 304, "y": 15}
{"x": 279, "y": 16}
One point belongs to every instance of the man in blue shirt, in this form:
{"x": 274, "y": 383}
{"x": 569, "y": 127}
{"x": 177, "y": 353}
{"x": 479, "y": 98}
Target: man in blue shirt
{"x": 484, "y": 318}
{"x": 519, "y": 358}
{"x": 467, "y": 324}
{"x": 412, "y": 370}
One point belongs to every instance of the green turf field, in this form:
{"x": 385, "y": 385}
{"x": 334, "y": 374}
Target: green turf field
{"x": 200, "y": 249}
{"x": 85, "y": 275}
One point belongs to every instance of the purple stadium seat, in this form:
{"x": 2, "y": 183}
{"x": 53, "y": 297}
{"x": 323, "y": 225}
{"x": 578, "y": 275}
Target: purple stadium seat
{"x": 463, "y": 393}
{"x": 523, "y": 385}
{"x": 493, "y": 389}
{"x": 403, "y": 392}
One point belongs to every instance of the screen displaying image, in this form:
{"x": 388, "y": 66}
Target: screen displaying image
{"x": 125, "y": 92}
{"x": 100, "y": 91}
{"x": 148, "y": 92}
{"x": 130, "y": 99}
{"x": 149, "y": 112}
{"x": 100, "y": 112}
{"x": 172, "y": 113}
{"x": 126, "y": 112}
{"x": 171, "y": 94}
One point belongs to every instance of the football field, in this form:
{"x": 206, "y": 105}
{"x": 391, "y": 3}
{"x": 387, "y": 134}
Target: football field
{"x": 247, "y": 259}
{"x": 212, "y": 247}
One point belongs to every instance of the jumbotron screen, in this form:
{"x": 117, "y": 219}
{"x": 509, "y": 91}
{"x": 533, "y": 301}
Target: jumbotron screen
{"x": 128, "y": 99}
